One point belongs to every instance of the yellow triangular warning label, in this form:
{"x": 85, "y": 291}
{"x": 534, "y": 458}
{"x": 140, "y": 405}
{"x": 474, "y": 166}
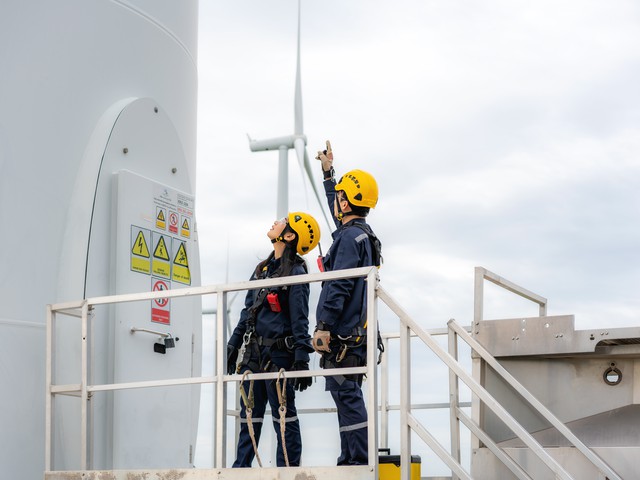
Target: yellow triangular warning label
{"x": 140, "y": 246}
{"x": 161, "y": 215}
{"x": 161, "y": 250}
{"x": 185, "y": 224}
{"x": 181, "y": 257}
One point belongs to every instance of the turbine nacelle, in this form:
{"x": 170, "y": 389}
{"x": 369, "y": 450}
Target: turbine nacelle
{"x": 276, "y": 143}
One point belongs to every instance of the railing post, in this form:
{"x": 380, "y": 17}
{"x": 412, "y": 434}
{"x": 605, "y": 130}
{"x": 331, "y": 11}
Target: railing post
{"x": 478, "y": 297}
{"x": 372, "y": 370}
{"x": 220, "y": 428}
{"x": 405, "y": 401}
{"x": 476, "y": 361}
{"x": 84, "y": 392}
{"x": 384, "y": 396}
{"x": 454, "y": 399}
{"x": 48, "y": 437}
{"x": 542, "y": 309}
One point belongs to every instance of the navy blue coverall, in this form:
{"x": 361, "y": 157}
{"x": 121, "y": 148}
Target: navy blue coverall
{"x": 342, "y": 311}
{"x": 292, "y": 322}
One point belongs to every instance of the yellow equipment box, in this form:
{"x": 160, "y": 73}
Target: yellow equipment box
{"x": 389, "y": 467}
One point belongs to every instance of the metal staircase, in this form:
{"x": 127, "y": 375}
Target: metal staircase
{"x": 513, "y": 462}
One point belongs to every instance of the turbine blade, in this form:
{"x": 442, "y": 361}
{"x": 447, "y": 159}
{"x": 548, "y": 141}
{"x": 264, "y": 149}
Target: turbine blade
{"x": 321, "y": 203}
{"x": 298, "y": 124}
{"x": 298, "y": 144}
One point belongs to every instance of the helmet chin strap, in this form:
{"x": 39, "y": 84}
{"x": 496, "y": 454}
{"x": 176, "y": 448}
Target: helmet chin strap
{"x": 341, "y": 213}
{"x": 280, "y": 238}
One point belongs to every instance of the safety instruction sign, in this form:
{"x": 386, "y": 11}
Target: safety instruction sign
{"x": 160, "y": 307}
{"x": 161, "y": 218}
{"x": 182, "y": 206}
{"x": 161, "y": 255}
{"x": 161, "y": 259}
{"x": 173, "y": 222}
{"x": 181, "y": 271}
{"x": 140, "y": 257}
{"x": 162, "y": 249}
{"x": 185, "y": 230}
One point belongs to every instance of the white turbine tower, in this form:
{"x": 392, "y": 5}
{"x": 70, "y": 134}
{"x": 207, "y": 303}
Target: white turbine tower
{"x": 297, "y": 141}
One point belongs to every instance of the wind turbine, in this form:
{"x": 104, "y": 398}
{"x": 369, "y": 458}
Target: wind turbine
{"x": 297, "y": 141}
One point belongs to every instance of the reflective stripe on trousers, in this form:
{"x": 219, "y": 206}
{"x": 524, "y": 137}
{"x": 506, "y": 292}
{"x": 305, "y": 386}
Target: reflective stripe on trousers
{"x": 352, "y": 418}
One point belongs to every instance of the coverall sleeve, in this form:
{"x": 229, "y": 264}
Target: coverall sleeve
{"x": 299, "y": 315}
{"x": 330, "y": 191}
{"x": 338, "y": 291}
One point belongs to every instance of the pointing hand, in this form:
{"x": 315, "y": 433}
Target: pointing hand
{"x": 326, "y": 157}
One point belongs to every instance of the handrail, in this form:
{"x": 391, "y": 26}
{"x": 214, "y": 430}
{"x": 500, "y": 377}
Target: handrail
{"x": 408, "y": 328}
{"x": 535, "y": 403}
{"x": 407, "y": 323}
{"x": 82, "y": 309}
{"x": 385, "y": 407}
{"x": 482, "y": 274}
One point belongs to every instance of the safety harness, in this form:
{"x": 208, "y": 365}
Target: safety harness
{"x": 252, "y": 344}
{"x": 341, "y": 356}
{"x": 344, "y": 358}
{"x": 251, "y": 341}
{"x": 376, "y": 244}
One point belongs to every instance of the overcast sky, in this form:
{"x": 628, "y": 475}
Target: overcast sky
{"x": 503, "y": 134}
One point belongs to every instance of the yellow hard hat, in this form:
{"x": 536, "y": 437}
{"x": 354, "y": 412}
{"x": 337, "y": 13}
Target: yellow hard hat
{"x": 307, "y": 229}
{"x": 360, "y": 187}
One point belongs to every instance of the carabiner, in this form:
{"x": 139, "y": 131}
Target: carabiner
{"x": 341, "y": 353}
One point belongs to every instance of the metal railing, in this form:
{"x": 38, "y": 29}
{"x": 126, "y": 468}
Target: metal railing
{"x": 84, "y": 388}
{"x": 385, "y": 406}
{"x": 408, "y": 422}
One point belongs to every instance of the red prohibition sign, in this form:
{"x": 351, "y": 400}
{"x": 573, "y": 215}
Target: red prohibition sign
{"x": 158, "y": 287}
{"x": 173, "y": 218}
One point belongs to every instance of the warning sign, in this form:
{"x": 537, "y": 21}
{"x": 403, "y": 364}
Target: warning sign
{"x": 180, "y": 270}
{"x": 161, "y": 262}
{"x": 185, "y": 231}
{"x": 161, "y": 218}
{"x": 161, "y": 249}
{"x": 173, "y": 222}
{"x": 160, "y": 307}
{"x": 140, "y": 258}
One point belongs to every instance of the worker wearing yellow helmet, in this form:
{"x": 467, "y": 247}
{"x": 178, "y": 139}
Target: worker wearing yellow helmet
{"x": 340, "y": 334}
{"x": 274, "y": 329}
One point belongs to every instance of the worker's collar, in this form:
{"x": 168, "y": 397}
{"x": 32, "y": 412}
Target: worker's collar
{"x": 355, "y": 219}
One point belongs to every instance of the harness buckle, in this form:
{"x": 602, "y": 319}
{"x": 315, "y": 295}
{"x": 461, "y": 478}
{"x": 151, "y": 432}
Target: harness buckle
{"x": 289, "y": 342}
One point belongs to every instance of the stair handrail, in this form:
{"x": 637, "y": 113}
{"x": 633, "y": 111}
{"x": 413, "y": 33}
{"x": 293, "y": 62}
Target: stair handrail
{"x": 539, "y": 407}
{"x": 408, "y": 422}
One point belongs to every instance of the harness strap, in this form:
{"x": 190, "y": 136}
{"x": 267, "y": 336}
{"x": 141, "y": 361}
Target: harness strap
{"x": 282, "y": 343}
{"x": 343, "y": 359}
{"x": 251, "y": 350}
